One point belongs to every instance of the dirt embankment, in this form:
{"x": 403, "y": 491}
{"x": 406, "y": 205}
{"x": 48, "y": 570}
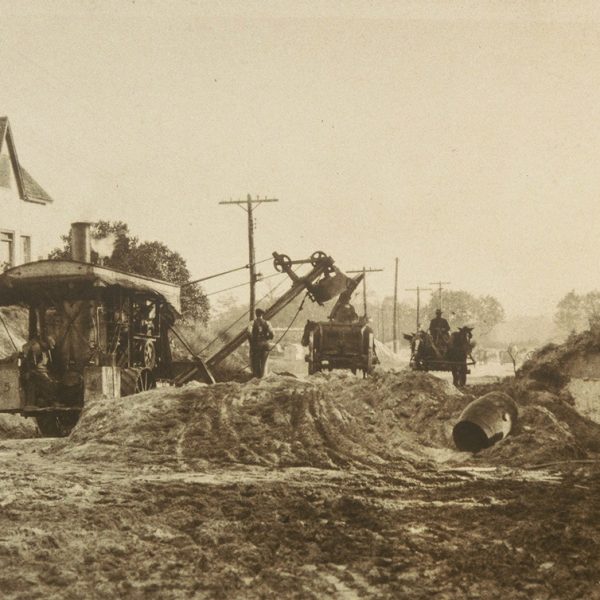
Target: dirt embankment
{"x": 326, "y": 421}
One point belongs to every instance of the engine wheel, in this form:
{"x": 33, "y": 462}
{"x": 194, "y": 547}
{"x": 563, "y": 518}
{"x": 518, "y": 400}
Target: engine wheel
{"x": 145, "y": 381}
{"x": 57, "y": 423}
{"x": 136, "y": 380}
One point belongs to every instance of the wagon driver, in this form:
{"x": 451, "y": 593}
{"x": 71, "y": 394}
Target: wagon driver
{"x": 259, "y": 334}
{"x": 440, "y": 331}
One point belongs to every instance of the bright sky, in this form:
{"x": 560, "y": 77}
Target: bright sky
{"x": 461, "y": 137}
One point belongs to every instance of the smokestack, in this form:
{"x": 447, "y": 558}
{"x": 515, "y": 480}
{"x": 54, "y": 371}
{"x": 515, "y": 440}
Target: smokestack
{"x": 81, "y": 247}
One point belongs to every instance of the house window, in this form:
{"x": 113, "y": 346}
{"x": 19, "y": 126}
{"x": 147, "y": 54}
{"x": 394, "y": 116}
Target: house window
{"x": 26, "y": 248}
{"x": 7, "y": 250}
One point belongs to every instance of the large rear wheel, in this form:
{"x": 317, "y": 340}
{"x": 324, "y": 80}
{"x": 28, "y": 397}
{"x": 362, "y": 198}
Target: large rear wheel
{"x": 57, "y": 423}
{"x": 135, "y": 380}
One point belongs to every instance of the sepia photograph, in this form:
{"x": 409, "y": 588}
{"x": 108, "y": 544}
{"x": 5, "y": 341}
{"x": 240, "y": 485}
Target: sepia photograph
{"x": 299, "y": 299}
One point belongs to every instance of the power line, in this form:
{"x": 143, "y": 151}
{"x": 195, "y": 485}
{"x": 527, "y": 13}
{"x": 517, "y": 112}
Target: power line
{"x": 440, "y": 288}
{"x": 239, "y": 285}
{"x": 224, "y": 273}
{"x": 418, "y": 290}
{"x": 364, "y": 271}
{"x": 247, "y": 205}
{"x": 244, "y": 313}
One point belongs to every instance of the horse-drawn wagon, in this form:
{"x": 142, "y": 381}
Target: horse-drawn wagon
{"x": 453, "y": 355}
{"x": 333, "y": 345}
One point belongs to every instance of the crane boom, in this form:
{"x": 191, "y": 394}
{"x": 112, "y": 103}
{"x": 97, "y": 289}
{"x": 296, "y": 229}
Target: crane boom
{"x": 321, "y": 265}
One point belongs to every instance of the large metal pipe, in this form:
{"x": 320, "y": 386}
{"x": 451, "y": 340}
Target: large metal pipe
{"x": 81, "y": 243}
{"x": 485, "y": 421}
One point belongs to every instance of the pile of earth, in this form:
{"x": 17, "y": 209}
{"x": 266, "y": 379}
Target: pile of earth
{"x": 327, "y": 421}
{"x": 552, "y": 366}
{"x": 17, "y": 427}
{"x": 558, "y": 394}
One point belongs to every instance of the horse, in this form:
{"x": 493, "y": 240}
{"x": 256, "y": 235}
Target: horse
{"x": 426, "y": 355}
{"x": 422, "y": 349}
{"x": 460, "y": 347}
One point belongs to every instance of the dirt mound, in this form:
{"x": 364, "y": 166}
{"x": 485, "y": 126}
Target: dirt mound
{"x": 556, "y": 404}
{"x": 16, "y": 427}
{"x": 549, "y": 429}
{"x": 327, "y": 421}
{"x": 552, "y": 366}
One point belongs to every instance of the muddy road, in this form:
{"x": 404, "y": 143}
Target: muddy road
{"x": 69, "y": 530}
{"x": 121, "y": 515}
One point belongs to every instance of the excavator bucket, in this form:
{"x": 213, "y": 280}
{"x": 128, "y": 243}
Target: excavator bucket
{"x": 330, "y": 286}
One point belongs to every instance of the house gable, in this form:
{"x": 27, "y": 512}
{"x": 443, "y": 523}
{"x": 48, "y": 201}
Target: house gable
{"x": 12, "y": 174}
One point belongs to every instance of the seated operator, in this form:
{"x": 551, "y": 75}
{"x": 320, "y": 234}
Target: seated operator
{"x": 39, "y": 364}
{"x": 345, "y": 312}
{"x": 439, "y": 330}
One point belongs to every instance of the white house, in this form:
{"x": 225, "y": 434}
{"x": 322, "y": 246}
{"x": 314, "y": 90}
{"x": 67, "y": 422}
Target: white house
{"x": 25, "y": 208}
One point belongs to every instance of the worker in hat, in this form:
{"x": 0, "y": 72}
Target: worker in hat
{"x": 39, "y": 364}
{"x": 345, "y": 312}
{"x": 259, "y": 334}
{"x": 440, "y": 331}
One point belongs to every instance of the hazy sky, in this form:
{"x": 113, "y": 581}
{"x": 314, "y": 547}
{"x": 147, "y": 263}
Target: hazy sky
{"x": 463, "y": 138}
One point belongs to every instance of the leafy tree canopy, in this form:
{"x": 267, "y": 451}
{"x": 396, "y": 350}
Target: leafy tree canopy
{"x": 576, "y": 312}
{"x": 113, "y": 243}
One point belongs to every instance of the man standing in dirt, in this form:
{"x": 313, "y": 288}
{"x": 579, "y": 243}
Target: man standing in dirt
{"x": 260, "y": 333}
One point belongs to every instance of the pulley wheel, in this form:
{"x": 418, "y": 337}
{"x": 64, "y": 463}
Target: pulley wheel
{"x": 282, "y": 263}
{"x": 316, "y": 257}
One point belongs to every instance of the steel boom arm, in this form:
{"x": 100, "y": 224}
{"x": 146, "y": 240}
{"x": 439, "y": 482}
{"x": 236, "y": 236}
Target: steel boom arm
{"x": 299, "y": 285}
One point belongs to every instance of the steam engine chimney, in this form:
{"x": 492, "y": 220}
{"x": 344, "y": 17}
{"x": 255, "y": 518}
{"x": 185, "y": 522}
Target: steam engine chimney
{"x": 81, "y": 246}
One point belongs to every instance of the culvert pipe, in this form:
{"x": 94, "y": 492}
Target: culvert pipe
{"x": 485, "y": 421}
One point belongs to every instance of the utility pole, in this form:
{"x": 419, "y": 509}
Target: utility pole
{"x": 396, "y": 308}
{"x": 364, "y": 271}
{"x": 440, "y": 288}
{"x": 418, "y": 290}
{"x": 247, "y": 205}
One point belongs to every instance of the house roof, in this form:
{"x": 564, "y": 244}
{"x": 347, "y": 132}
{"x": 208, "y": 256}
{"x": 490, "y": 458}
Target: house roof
{"x": 29, "y": 188}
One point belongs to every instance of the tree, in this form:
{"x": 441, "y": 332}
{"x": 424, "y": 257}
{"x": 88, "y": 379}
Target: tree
{"x": 575, "y": 312}
{"x": 115, "y": 247}
{"x": 462, "y": 308}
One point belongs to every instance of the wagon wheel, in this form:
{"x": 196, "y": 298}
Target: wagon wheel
{"x": 314, "y": 364}
{"x": 282, "y": 263}
{"x": 145, "y": 381}
{"x": 149, "y": 355}
{"x": 316, "y": 257}
{"x": 368, "y": 370}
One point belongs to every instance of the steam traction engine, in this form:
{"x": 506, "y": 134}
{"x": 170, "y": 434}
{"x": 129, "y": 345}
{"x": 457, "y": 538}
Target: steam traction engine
{"x": 92, "y": 331}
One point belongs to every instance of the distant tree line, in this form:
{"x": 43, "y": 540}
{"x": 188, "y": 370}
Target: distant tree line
{"x": 459, "y": 307}
{"x": 576, "y": 312}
